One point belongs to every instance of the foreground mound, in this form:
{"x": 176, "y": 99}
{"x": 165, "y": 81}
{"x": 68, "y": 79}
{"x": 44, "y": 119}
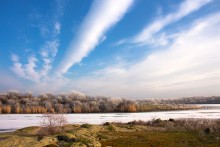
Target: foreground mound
{"x": 137, "y": 134}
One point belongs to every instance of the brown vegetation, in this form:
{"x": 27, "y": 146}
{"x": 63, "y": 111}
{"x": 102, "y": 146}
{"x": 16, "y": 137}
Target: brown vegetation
{"x": 181, "y": 124}
{"x": 51, "y": 124}
{"x": 6, "y": 109}
{"x": 16, "y": 102}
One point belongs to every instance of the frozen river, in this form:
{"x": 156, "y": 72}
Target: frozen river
{"x": 10, "y": 122}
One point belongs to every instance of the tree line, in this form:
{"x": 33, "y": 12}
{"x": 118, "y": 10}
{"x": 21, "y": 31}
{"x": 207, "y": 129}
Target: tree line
{"x": 17, "y": 102}
{"x": 75, "y": 102}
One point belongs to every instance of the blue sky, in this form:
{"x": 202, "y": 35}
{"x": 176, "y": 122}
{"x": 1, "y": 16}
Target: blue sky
{"x": 125, "y": 48}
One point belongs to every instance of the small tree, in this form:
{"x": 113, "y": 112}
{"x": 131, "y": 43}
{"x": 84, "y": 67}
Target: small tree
{"x": 52, "y": 123}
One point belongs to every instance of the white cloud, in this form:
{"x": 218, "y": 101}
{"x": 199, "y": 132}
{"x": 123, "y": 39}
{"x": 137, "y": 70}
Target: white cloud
{"x": 30, "y": 71}
{"x": 50, "y": 48}
{"x": 189, "y": 66}
{"x": 120, "y": 42}
{"x": 92, "y": 33}
{"x": 17, "y": 69}
{"x": 48, "y": 51}
{"x": 185, "y": 8}
{"x": 101, "y": 17}
{"x": 26, "y": 71}
{"x": 59, "y": 6}
{"x": 57, "y": 27}
{"x": 14, "y": 58}
{"x": 38, "y": 67}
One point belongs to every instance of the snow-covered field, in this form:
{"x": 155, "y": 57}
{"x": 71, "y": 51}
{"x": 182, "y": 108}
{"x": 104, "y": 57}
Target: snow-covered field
{"x": 10, "y": 122}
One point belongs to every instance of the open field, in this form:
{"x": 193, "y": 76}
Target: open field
{"x": 135, "y": 134}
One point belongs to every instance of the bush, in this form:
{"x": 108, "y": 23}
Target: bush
{"x": 65, "y": 138}
{"x": 106, "y": 124}
{"x": 52, "y": 124}
{"x": 86, "y": 126}
{"x": 139, "y": 122}
{"x": 157, "y": 121}
{"x": 208, "y": 130}
{"x": 171, "y": 119}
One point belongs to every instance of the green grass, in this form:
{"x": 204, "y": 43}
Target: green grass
{"x": 159, "y": 139}
{"x": 110, "y": 128}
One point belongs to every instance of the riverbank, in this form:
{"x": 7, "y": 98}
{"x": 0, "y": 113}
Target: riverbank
{"x": 188, "y": 132}
{"x": 16, "y": 121}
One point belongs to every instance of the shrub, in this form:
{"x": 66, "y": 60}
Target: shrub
{"x": 86, "y": 126}
{"x": 106, "y": 124}
{"x": 171, "y": 119}
{"x": 139, "y": 122}
{"x": 51, "y": 124}
{"x": 196, "y": 124}
{"x": 208, "y": 130}
{"x": 157, "y": 121}
{"x": 65, "y": 138}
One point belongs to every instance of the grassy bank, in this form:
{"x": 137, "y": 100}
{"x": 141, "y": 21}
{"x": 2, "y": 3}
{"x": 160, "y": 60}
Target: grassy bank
{"x": 135, "y": 134}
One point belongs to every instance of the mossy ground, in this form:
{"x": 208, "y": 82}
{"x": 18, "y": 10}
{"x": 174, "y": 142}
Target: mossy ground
{"x": 115, "y": 135}
{"x": 143, "y": 138}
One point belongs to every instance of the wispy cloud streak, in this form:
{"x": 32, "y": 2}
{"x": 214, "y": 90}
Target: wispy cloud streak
{"x": 184, "y": 9}
{"x": 101, "y": 17}
{"x": 190, "y": 65}
{"x": 48, "y": 51}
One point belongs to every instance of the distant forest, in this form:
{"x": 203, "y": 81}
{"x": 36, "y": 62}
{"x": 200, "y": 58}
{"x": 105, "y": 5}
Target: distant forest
{"x": 75, "y": 102}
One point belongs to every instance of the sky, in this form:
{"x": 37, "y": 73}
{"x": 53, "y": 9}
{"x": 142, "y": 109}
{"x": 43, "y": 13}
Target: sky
{"x": 123, "y": 48}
